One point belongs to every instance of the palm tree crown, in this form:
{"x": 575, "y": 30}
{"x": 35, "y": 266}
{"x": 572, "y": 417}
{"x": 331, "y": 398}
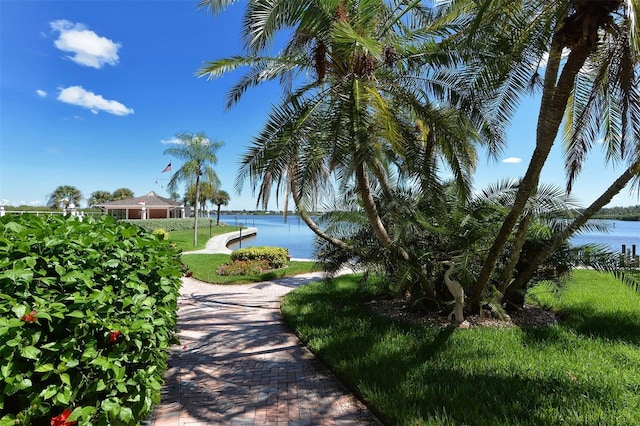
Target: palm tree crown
{"x": 199, "y": 154}
{"x": 99, "y": 197}
{"x": 220, "y": 198}
{"x": 355, "y": 90}
{"x": 63, "y": 196}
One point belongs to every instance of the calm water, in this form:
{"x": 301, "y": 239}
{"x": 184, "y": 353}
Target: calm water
{"x": 622, "y": 232}
{"x": 295, "y": 236}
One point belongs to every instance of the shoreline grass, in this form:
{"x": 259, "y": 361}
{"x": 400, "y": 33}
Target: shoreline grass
{"x": 585, "y": 370}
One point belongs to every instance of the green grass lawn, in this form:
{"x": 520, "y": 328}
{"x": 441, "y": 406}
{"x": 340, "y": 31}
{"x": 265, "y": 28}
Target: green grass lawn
{"x": 583, "y": 371}
{"x": 203, "y": 267}
{"x": 184, "y": 239}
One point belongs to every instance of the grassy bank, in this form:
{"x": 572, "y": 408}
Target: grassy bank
{"x": 585, "y": 370}
{"x": 184, "y": 239}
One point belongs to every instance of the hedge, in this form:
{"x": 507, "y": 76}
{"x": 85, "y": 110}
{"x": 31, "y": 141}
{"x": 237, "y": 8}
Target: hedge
{"x": 276, "y": 256}
{"x": 87, "y": 314}
{"x": 169, "y": 224}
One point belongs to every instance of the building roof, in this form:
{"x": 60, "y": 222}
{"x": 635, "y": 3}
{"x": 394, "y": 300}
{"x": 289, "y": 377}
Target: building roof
{"x": 151, "y": 200}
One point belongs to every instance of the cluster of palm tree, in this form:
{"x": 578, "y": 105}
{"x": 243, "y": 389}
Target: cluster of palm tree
{"x": 99, "y": 197}
{"x": 383, "y": 98}
{"x": 208, "y": 193}
{"x": 64, "y": 195}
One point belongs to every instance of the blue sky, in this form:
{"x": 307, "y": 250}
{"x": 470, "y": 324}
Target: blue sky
{"x": 92, "y": 93}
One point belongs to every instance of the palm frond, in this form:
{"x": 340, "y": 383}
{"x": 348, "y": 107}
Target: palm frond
{"x": 215, "y": 6}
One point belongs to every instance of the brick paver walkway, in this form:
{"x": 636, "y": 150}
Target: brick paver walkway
{"x": 237, "y": 364}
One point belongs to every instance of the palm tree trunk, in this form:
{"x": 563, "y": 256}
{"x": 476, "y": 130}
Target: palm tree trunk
{"x": 514, "y": 255}
{"x": 379, "y": 230}
{"x": 218, "y": 216}
{"x": 552, "y": 108}
{"x": 195, "y": 208}
{"x": 524, "y": 276}
{"x": 371, "y": 210}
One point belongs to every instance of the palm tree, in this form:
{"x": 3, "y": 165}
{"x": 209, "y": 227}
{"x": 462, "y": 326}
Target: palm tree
{"x": 206, "y": 191}
{"x": 63, "y": 196}
{"x": 122, "y": 194}
{"x": 99, "y": 197}
{"x": 587, "y": 48}
{"x": 199, "y": 154}
{"x": 220, "y": 198}
{"x": 369, "y": 110}
{"x": 633, "y": 171}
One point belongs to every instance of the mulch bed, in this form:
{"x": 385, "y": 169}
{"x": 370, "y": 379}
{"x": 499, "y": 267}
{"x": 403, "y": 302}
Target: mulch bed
{"x": 529, "y": 316}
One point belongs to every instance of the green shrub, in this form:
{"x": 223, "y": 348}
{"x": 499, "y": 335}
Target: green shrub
{"x": 161, "y": 234}
{"x": 276, "y": 256}
{"x": 243, "y": 267}
{"x": 87, "y": 313}
{"x": 170, "y": 224}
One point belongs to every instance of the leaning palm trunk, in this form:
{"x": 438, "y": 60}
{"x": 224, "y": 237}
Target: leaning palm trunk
{"x": 371, "y": 210}
{"x": 514, "y": 255}
{"x": 426, "y": 288}
{"x": 524, "y": 276}
{"x": 310, "y": 222}
{"x": 552, "y": 108}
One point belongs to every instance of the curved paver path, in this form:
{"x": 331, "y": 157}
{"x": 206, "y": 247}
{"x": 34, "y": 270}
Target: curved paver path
{"x": 218, "y": 244}
{"x": 238, "y": 364}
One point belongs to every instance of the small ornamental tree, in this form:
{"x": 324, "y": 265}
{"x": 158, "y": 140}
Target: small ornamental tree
{"x": 87, "y": 313}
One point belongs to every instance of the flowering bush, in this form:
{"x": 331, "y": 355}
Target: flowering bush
{"x": 276, "y": 256}
{"x": 87, "y": 313}
{"x": 244, "y": 267}
{"x": 161, "y": 234}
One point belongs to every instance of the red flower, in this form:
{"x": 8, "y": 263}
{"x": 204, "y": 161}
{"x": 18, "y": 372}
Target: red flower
{"x": 189, "y": 274}
{"x": 61, "y": 419}
{"x": 31, "y": 317}
{"x": 113, "y": 336}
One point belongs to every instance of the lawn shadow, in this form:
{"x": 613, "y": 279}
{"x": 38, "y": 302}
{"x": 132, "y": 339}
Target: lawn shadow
{"x": 615, "y": 325}
{"x": 403, "y": 370}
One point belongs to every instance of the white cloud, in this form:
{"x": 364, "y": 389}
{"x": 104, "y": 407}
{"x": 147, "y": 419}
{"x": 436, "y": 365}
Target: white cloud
{"x": 177, "y": 141}
{"x": 512, "y": 160}
{"x": 172, "y": 141}
{"x": 41, "y": 93}
{"x": 77, "y": 95}
{"x": 86, "y": 47}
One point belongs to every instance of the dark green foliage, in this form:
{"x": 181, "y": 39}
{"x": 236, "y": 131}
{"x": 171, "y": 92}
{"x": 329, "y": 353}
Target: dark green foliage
{"x": 619, "y": 213}
{"x": 169, "y": 224}
{"x": 87, "y": 313}
{"x": 454, "y": 231}
{"x": 276, "y": 256}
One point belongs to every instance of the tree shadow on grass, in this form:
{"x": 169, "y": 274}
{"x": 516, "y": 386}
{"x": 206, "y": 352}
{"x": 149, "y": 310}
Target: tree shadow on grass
{"x": 584, "y": 320}
{"x": 414, "y": 385}
{"x": 412, "y": 382}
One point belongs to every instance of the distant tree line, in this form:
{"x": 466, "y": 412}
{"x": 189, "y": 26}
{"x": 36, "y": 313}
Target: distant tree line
{"x": 620, "y": 213}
